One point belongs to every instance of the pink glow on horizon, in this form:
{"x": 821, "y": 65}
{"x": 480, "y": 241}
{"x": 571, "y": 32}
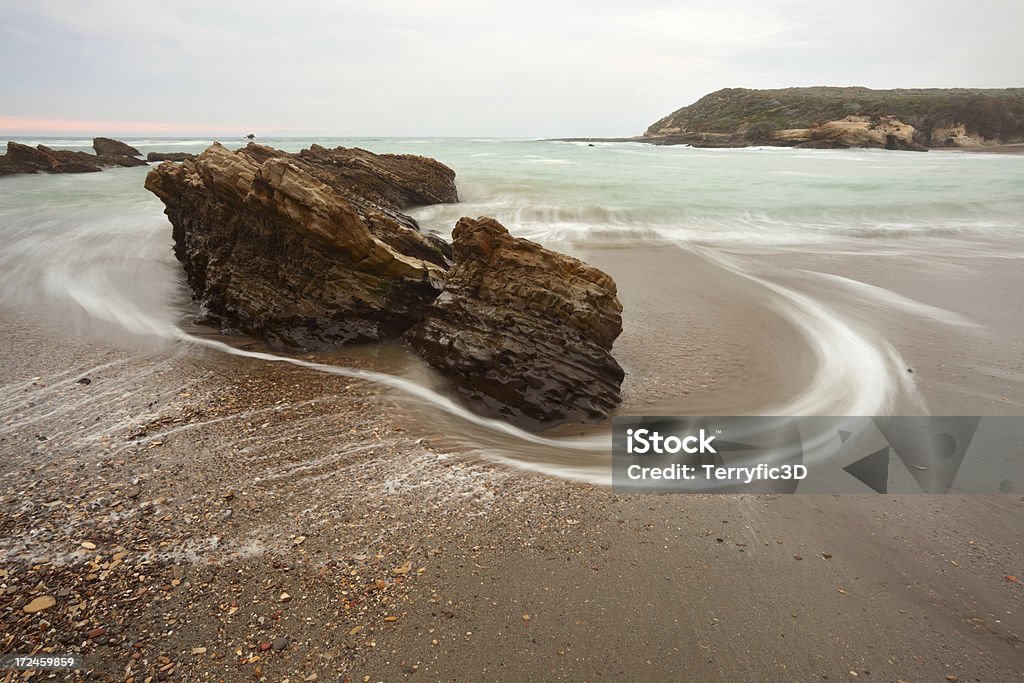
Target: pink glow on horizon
{"x": 33, "y": 125}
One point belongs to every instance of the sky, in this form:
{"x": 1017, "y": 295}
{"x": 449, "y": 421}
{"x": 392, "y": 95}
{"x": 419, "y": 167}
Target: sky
{"x": 464, "y": 68}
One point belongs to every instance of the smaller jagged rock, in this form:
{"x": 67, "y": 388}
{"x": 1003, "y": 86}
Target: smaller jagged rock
{"x": 523, "y": 332}
{"x": 169, "y": 156}
{"x": 114, "y": 148}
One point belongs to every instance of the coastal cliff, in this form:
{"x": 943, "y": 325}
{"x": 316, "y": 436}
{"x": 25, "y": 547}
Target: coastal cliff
{"x": 829, "y": 117}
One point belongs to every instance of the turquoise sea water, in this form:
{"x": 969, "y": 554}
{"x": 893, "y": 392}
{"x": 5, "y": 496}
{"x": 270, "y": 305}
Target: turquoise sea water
{"x": 91, "y": 254}
{"x": 561, "y": 190}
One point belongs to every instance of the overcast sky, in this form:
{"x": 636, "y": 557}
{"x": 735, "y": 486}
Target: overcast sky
{"x": 465, "y": 68}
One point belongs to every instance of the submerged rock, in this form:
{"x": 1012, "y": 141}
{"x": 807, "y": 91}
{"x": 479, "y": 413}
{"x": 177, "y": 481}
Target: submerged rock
{"x": 307, "y": 249}
{"x": 523, "y": 331}
{"x": 111, "y": 147}
{"x": 169, "y": 156}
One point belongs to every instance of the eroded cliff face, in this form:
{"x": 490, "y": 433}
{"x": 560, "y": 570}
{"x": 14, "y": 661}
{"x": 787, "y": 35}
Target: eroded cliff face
{"x": 846, "y": 117}
{"x": 523, "y": 331}
{"x": 882, "y": 132}
{"x": 274, "y": 245}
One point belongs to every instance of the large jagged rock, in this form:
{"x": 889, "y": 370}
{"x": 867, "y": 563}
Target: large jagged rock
{"x": 114, "y": 148}
{"x": 523, "y": 332}
{"x": 42, "y": 159}
{"x": 307, "y": 249}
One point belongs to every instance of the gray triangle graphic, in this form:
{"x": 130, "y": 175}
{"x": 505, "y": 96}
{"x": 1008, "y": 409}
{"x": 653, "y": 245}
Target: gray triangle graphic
{"x": 872, "y": 470}
{"x": 844, "y": 435}
{"x": 931, "y": 448}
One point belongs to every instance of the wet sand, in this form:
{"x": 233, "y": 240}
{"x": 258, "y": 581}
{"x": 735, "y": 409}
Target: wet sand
{"x": 205, "y": 510}
{"x": 965, "y": 345}
{"x": 1012, "y": 148}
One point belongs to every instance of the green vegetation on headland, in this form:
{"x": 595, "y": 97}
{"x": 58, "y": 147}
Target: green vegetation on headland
{"x": 834, "y": 117}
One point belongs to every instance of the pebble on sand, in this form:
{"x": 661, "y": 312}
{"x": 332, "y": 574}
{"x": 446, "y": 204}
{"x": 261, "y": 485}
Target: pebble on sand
{"x": 40, "y": 603}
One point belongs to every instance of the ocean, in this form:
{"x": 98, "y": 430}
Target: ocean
{"x": 754, "y": 281}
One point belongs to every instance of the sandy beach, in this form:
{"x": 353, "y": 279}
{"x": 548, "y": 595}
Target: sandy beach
{"x": 204, "y": 517}
{"x": 1017, "y": 148}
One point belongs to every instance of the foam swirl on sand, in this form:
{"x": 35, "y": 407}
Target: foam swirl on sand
{"x": 111, "y": 276}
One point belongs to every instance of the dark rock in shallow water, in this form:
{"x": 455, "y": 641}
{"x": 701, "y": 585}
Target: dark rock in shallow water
{"x": 110, "y": 147}
{"x": 307, "y": 249}
{"x": 30, "y": 159}
{"x": 64, "y": 158}
{"x": 169, "y": 156}
{"x": 110, "y": 161}
{"x": 523, "y": 331}
{"x": 42, "y": 159}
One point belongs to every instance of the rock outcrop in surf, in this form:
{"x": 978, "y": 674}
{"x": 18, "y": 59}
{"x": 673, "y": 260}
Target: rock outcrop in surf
{"x": 312, "y": 250}
{"x": 111, "y": 147}
{"x": 42, "y": 159}
{"x": 522, "y": 330}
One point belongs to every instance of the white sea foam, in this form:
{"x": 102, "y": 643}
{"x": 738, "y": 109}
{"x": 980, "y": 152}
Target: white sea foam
{"x": 895, "y": 300}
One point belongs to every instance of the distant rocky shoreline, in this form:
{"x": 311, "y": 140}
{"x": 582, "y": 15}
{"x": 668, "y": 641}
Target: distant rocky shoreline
{"x": 843, "y": 118}
{"x": 110, "y": 153}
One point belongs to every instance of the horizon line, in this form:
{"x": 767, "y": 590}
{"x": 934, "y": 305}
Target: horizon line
{"x": 14, "y": 135}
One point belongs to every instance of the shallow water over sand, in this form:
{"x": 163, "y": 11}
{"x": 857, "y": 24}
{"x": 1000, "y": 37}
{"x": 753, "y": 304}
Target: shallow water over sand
{"x": 758, "y": 281}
